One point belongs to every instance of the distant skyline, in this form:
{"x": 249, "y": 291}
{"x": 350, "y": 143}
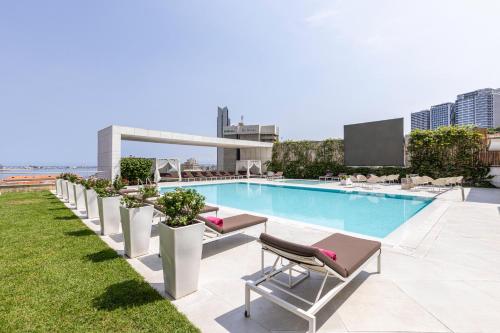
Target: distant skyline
{"x": 68, "y": 69}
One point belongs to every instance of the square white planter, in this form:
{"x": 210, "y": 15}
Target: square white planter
{"x": 91, "y": 204}
{"x": 136, "y": 226}
{"x": 64, "y": 185}
{"x": 345, "y": 182}
{"x": 59, "y": 187}
{"x": 109, "y": 214}
{"x": 71, "y": 193}
{"x": 180, "y": 250}
{"x": 79, "y": 197}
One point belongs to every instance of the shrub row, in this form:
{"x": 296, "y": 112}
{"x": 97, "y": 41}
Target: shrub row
{"x": 133, "y": 169}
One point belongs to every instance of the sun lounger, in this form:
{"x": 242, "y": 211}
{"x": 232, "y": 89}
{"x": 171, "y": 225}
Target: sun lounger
{"x": 273, "y": 176}
{"x": 199, "y": 175}
{"x": 361, "y": 179}
{"x": 327, "y": 176}
{"x": 352, "y": 256}
{"x": 392, "y": 179}
{"x": 187, "y": 176}
{"x": 208, "y": 175}
{"x": 234, "y": 223}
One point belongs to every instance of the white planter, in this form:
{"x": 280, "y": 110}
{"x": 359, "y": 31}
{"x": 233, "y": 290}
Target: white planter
{"x": 109, "y": 214}
{"x": 180, "y": 250}
{"x": 91, "y": 204}
{"x": 58, "y": 187}
{"x": 64, "y": 185}
{"x": 79, "y": 197}
{"x": 136, "y": 226}
{"x": 71, "y": 193}
{"x": 345, "y": 182}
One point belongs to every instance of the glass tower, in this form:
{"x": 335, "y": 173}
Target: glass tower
{"x": 420, "y": 120}
{"x": 480, "y": 108}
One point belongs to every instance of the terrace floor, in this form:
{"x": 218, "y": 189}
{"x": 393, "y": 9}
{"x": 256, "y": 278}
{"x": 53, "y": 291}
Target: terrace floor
{"x": 440, "y": 273}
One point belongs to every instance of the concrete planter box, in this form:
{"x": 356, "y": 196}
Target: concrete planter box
{"x": 91, "y": 204}
{"x": 136, "y": 226}
{"x": 64, "y": 189}
{"x": 180, "y": 250}
{"x": 345, "y": 182}
{"x": 71, "y": 193}
{"x": 79, "y": 197}
{"x": 59, "y": 187}
{"x": 109, "y": 214}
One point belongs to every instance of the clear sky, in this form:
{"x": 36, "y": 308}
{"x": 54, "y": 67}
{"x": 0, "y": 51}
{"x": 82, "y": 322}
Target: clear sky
{"x": 70, "y": 68}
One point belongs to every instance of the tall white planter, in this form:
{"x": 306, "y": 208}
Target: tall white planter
{"x": 180, "y": 250}
{"x": 71, "y": 193}
{"x": 109, "y": 214}
{"x": 91, "y": 204}
{"x": 64, "y": 185}
{"x": 79, "y": 197}
{"x": 58, "y": 187}
{"x": 136, "y": 226}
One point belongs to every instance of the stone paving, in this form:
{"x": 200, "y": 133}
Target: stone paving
{"x": 440, "y": 273}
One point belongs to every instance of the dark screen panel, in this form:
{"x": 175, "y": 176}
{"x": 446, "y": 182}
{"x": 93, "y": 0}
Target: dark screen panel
{"x": 376, "y": 143}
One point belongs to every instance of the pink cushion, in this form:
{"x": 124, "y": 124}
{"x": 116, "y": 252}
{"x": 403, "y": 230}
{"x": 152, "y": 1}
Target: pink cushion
{"x": 215, "y": 220}
{"x": 330, "y": 254}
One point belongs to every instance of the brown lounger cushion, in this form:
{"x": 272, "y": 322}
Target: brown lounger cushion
{"x": 209, "y": 209}
{"x": 234, "y": 223}
{"x": 351, "y": 252}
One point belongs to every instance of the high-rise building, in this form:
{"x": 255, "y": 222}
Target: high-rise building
{"x": 480, "y": 108}
{"x": 420, "y": 120}
{"x": 442, "y": 115}
{"x": 222, "y": 121}
{"x": 227, "y": 157}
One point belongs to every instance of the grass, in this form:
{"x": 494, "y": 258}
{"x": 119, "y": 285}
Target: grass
{"x": 58, "y": 276}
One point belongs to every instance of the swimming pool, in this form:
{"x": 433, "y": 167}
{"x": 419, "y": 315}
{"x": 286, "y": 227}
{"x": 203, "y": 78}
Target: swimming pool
{"x": 370, "y": 214}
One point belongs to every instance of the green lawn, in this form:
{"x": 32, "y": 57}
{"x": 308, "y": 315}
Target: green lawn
{"x": 57, "y": 275}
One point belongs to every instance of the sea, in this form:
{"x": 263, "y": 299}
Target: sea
{"x": 84, "y": 172}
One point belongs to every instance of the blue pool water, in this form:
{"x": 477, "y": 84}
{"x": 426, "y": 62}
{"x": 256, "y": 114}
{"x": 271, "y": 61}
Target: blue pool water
{"x": 371, "y": 214}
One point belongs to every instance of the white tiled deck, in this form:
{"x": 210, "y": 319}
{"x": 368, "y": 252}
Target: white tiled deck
{"x": 440, "y": 273}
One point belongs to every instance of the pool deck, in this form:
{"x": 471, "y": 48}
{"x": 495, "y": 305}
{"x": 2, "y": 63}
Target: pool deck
{"x": 440, "y": 273}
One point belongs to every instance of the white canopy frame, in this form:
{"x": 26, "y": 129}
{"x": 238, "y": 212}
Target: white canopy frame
{"x": 247, "y": 165}
{"x": 166, "y": 165}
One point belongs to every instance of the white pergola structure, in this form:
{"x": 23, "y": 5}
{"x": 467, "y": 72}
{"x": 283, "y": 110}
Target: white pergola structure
{"x": 109, "y": 144}
{"x": 248, "y": 165}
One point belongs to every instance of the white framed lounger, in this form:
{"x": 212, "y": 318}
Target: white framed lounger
{"x": 307, "y": 264}
{"x": 212, "y": 234}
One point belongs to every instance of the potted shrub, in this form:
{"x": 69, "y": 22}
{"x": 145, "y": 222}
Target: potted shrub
{"x": 59, "y": 186}
{"x": 64, "y": 187}
{"x": 136, "y": 218}
{"x": 79, "y": 195}
{"x": 71, "y": 189}
{"x": 90, "y": 195}
{"x": 345, "y": 180}
{"x": 181, "y": 240}
{"x": 108, "y": 201}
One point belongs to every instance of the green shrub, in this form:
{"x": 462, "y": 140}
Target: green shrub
{"x": 448, "y": 151}
{"x": 148, "y": 192}
{"x": 181, "y": 206}
{"x": 118, "y": 183}
{"x": 135, "y": 168}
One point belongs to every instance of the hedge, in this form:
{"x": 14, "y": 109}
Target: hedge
{"x": 311, "y": 159}
{"x": 448, "y": 151}
{"x": 133, "y": 169}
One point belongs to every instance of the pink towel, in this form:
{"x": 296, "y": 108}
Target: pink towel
{"x": 328, "y": 253}
{"x": 215, "y": 220}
